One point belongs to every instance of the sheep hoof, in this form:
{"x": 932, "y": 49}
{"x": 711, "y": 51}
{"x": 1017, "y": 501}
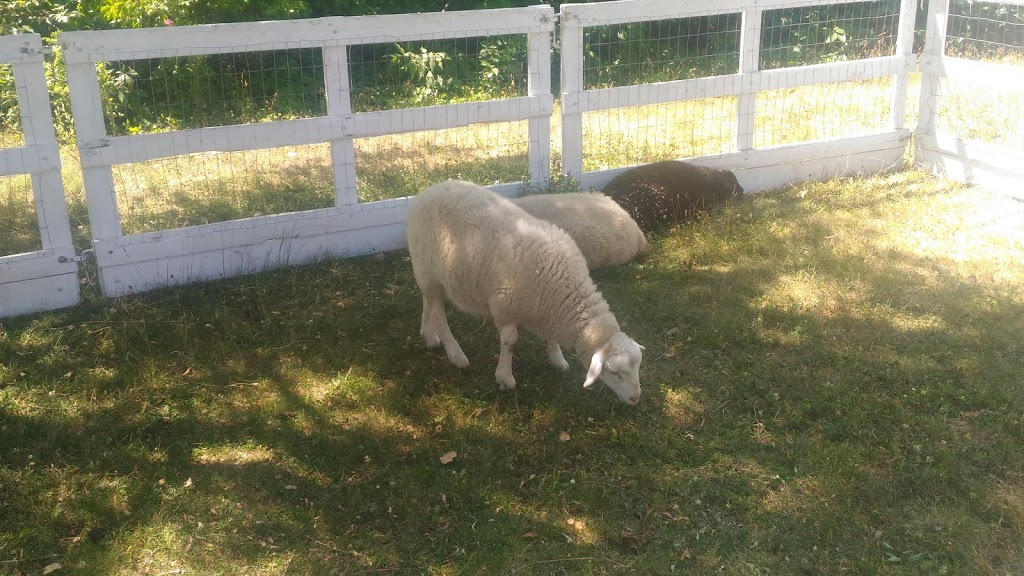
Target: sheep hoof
{"x": 559, "y": 363}
{"x": 431, "y": 338}
{"x": 505, "y": 381}
{"x": 459, "y": 359}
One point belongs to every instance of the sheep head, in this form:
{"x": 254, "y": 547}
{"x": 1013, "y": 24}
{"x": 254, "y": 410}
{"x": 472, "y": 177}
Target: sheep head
{"x": 617, "y": 364}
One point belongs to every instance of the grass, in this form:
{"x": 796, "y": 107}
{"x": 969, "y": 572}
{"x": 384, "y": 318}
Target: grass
{"x": 831, "y": 386}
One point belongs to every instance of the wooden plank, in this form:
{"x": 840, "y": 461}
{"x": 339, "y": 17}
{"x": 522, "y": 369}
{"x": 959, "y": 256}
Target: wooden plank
{"x": 135, "y": 148}
{"x": 648, "y": 94}
{"x": 572, "y": 87}
{"x": 384, "y": 122}
{"x": 830, "y": 73}
{"x": 26, "y": 159}
{"x": 989, "y": 165}
{"x": 750, "y": 51}
{"x": 37, "y": 264}
{"x": 40, "y": 136}
{"x": 47, "y": 293}
{"x": 732, "y": 84}
{"x": 768, "y": 168}
{"x": 931, "y": 66}
{"x": 245, "y": 232}
{"x": 21, "y": 48}
{"x": 87, "y": 112}
{"x": 904, "y": 51}
{"x": 539, "y": 85}
{"x": 133, "y": 273}
{"x": 339, "y": 105}
{"x": 1005, "y": 77}
{"x": 109, "y": 45}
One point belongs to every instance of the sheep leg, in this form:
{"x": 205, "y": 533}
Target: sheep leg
{"x": 503, "y": 373}
{"x": 434, "y": 328}
{"x": 555, "y": 357}
{"x": 427, "y": 328}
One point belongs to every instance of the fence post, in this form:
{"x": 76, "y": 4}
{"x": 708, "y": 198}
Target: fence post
{"x": 750, "y": 61}
{"x": 539, "y": 85}
{"x": 932, "y": 70}
{"x": 91, "y": 134}
{"x": 572, "y": 87}
{"x": 905, "y": 51}
{"x": 339, "y": 107}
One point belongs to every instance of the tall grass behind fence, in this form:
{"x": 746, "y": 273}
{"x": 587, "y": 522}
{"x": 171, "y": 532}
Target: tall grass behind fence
{"x": 986, "y": 106}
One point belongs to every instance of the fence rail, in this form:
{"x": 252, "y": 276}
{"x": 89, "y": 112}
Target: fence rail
{"x": 745, "y": 87}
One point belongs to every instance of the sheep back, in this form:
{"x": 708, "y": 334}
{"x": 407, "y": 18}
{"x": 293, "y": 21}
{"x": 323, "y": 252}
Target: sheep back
{"x": 662, "y": 194}
{"x": 493, "y": 258}
{"x": 603, "y": 231}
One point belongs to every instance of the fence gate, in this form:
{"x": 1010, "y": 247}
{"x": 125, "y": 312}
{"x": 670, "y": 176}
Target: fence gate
{"x": 43, "y": 276}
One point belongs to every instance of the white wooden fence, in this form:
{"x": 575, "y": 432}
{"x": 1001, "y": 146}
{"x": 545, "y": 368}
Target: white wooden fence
{"x": 136, "y": 262}
{"x": 46, "y": 278}
{"x": 992, "y": 165}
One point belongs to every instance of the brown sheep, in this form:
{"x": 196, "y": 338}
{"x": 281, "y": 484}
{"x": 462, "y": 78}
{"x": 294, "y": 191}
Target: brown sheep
{"x": 662, "y": 194}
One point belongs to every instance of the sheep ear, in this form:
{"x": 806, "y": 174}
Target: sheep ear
{"x": 596, "y": 363}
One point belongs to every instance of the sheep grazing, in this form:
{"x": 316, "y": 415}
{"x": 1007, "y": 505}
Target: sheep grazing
{"x": 662, "y": 194}
{"x": 492, "y": 258}
{"x": 604, "y": 232}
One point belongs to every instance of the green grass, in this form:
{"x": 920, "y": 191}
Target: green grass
{"x": 832, "y": 385}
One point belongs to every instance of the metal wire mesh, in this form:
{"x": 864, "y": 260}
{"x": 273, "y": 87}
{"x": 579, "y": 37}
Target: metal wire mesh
{"x": 642, "y": 134}
{"x": 19, "y": 225}
{"x": 981, "y": 106}
{"x": 822, "y": 111}
{"x": 988, "y": 31}
{"x": 160, "y": 94}
{"x": 404, "y": 164}
{"x": 805, "y": 35}
{"x": 425, "y": 73}
{"x": 660, "y": 50}
{"x": 218, "y": 186}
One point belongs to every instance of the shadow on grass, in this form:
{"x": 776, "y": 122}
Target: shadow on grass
{"x": 809, "y": 407}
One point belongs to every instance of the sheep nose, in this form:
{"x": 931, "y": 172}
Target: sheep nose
{"x": 633, "y": 400}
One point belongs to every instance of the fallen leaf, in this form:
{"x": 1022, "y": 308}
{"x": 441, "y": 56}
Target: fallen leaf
{"x": 291, "y": 487}
{"x": 530, "y": 535}
{"x": 564, "y": 436}
{"x": 686, "y": 554}
{"x": 448, "y": 457}
{"x": 52, "y": 568}
{"x": 188, "y": 482}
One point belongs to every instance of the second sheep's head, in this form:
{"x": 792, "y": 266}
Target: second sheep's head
{"x": 617, "y": 364}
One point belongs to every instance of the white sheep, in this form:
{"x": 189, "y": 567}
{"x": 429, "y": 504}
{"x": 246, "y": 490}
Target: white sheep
{"x": 604, "y": 232}
{"x": 492, "y": 258}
